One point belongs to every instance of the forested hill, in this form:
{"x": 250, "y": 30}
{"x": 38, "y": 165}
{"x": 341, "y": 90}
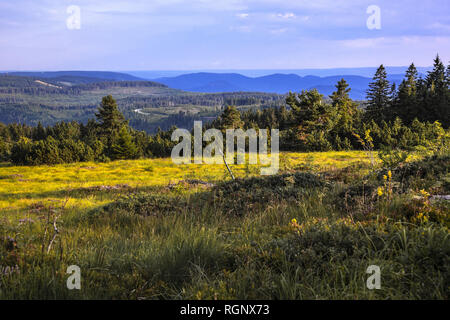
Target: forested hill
{"x": 86, "y": 75}
{"x": 26, "y": 84}
{"x": 29, "y": 100}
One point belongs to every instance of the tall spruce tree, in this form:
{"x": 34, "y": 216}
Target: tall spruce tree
{"x": 406, "y": 102}
{"x": 123, "y": 146}
{"x": 39, "y": 132}
{"x": 378, "y": 96}
{"x": 311, "y": 116}
{"x": 307, "y": 107}
{"x": 345, "y": 107}
{"x": 109, "y": 116}
{"x": 437, "y": 98}
{"x": 230, "y": 119}
{"x": 111, "y": 127}
{"x": 345, "y": 114}
{"x": 436, "y": 79}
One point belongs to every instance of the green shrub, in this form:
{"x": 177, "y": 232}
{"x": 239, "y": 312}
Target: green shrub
{"x": 392, "y": 157}
{"x": 241, "y": 196}
{"x": 430, "y": 172}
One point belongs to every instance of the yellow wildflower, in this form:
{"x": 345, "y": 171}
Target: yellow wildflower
{"x": 389, "y": 174}
{"x": 424, "y": 193}
{"x": 294, "y": 224}
{"x": 380, "y": 191}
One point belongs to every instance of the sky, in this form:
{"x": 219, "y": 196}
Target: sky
{"x": 119, "y": 35}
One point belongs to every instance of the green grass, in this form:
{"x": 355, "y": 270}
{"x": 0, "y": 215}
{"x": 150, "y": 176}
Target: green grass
{"x": 237, "y": 240}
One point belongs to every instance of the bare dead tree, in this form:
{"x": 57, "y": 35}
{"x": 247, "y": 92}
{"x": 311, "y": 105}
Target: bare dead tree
{"x": 55, "y": 227}
{"x": 226, "y": 164}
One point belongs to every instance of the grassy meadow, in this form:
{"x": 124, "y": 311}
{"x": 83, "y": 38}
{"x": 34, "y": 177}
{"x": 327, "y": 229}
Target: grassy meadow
{"x": 150, "y": 229}
{"x": 22, "y": 186}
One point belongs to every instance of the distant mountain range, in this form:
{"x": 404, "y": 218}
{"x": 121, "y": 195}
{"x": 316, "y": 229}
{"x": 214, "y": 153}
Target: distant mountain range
{"x": 209, "y": 82}
{"x": 367, "y": 72}
{"x": 275, "y": 83}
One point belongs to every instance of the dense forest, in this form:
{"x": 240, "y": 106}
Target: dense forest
{"x": 414, "y": 115}
{"x": 11, "y": 84}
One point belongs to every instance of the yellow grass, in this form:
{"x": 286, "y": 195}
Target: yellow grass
{"x": 21, "y": 187}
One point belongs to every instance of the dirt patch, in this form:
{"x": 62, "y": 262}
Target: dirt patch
{"x": 193, "y": 183}
{"x": 109, "y": 188}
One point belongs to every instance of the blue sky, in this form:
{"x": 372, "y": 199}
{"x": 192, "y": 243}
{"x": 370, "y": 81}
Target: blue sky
{"x": 220, "y": 34}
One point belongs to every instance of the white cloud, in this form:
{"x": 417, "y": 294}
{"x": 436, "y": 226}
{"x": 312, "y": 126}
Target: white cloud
{"x": 242, "y": 15}
{"x": 288, "y": 15}
{"x": 145, "y": 6}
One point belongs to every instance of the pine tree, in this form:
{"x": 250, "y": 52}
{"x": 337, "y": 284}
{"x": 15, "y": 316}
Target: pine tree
{"x": 340, "y": 97}
{"x": 406, "y": 102}
{"x": 437, "y": 96}
{"x": 436, "y": 79}
{"x": 124, "y": 147}
{"x": 39, "y": 133}
{"x": 378, "y": 99}
{"x": 230, "y": 119}
{"x": 411, "y": 77}
{"x": 345, "y": 113}
{"x": 311, "y": 116}
{"x": 283, "y": 118}
{"x": 307, "y": 107}
{"x": 109, "y": 116}
{"x": 345, "y": 107}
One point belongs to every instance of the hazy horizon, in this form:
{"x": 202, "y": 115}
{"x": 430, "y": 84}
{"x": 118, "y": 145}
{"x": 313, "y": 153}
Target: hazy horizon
{"x": 252, "y": 73}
